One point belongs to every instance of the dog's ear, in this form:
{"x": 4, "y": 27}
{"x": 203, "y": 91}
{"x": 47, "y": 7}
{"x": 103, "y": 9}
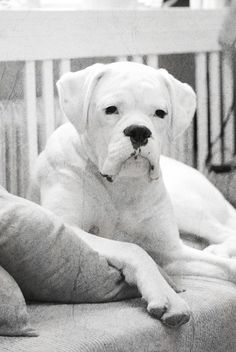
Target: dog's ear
{"x": 75, "y": 90}
{"x": 183, "y": 104}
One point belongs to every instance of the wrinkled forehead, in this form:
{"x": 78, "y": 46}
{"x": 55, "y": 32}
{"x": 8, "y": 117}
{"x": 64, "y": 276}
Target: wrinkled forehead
{"x": 122, "y": 84}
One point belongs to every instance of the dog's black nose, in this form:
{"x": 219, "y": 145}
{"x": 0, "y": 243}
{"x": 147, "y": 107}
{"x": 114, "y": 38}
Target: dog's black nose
{"x": 138, "y": 135}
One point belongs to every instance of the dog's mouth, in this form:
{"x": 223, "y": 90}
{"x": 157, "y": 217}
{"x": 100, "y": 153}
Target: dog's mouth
{"x": 136, "y": 165}
{"x": 122, "y": 160}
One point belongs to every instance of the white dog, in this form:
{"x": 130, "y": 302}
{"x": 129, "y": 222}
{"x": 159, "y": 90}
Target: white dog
{"x": 101, "y": 174}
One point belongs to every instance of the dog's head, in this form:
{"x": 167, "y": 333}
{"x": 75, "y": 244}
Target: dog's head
{"x": 124, "y": 111}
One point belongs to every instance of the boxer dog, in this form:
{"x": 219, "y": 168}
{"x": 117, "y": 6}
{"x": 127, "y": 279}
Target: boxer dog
{"x": 101, "y": 174}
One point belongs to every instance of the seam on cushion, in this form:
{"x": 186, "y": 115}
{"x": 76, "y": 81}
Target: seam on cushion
{"x": 73, "y": 293}
{"x": 193, "y": 331}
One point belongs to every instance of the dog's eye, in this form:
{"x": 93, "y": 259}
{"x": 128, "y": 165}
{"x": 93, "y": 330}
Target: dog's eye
{"x": 160, "y": 113}
{"x": 111, "y": 110}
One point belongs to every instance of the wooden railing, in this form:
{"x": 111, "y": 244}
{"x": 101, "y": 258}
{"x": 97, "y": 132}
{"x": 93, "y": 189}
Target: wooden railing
{"x": 142, "y": 35}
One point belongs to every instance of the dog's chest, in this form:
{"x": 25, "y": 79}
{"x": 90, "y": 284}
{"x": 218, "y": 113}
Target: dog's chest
{"x": 115, "y": 223}
{"x": 120, "y": 211}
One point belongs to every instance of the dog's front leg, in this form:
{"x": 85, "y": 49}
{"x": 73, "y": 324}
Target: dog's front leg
{"x": 140, "y": 269}
{"x": 135, "y": 264}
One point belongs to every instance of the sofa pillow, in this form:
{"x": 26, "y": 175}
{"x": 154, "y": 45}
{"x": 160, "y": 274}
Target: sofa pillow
{"x": 14, "y": 320}
{"x": 49, "y": 261}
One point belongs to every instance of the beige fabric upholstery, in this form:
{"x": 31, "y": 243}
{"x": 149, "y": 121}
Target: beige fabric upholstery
{"x": 126, "y": 326}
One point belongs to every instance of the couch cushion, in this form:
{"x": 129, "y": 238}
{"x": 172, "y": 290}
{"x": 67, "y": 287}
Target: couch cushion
{"x": 14, "y": 319}
{"x": 49, "y": 262}
{"x": 126, "y": 326}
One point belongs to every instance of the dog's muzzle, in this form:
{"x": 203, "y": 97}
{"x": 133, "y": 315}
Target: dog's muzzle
{"x": 135, "y": 153}
{"x": 138, "y": 135}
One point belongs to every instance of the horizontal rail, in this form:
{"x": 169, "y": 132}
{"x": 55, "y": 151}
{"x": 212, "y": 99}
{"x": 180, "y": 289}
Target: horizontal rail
{"x": 62, "y": 34}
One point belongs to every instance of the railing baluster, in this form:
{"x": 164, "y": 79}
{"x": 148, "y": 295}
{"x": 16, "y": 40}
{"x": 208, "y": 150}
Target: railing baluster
{"x": 152, "y": 60}
{"x": 215, "y": 106}
{"x": 64, "y": 66}
{"x": 12, "y": 151}
{"x": 227, "y": 97}
{"x": 121, "y": 58}
{"x": 31, "y": 116}
{"x": 22, "y": 147}
{"x": 2, "y": 148}
{"x": 48, "y": 97}
{"x": 137, "y": 58}
{"x": 202, "y": 112}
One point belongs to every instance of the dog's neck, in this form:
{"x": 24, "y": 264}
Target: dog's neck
{"x": 133, "y": 190}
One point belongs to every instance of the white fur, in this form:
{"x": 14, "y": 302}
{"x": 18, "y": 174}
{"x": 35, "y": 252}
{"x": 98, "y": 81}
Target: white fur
{"x": 134, "y": 209}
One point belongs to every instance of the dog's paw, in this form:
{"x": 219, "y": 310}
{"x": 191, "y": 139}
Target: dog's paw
{"x": 174, "y": 320}
{"x": 172, "y": 313}
{"x": 157, "y": 308}
{"x": 177, "y": 314}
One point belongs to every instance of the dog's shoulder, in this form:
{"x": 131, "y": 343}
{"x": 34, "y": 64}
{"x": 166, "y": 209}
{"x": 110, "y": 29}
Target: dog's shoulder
{"x": 63, "y": 154}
